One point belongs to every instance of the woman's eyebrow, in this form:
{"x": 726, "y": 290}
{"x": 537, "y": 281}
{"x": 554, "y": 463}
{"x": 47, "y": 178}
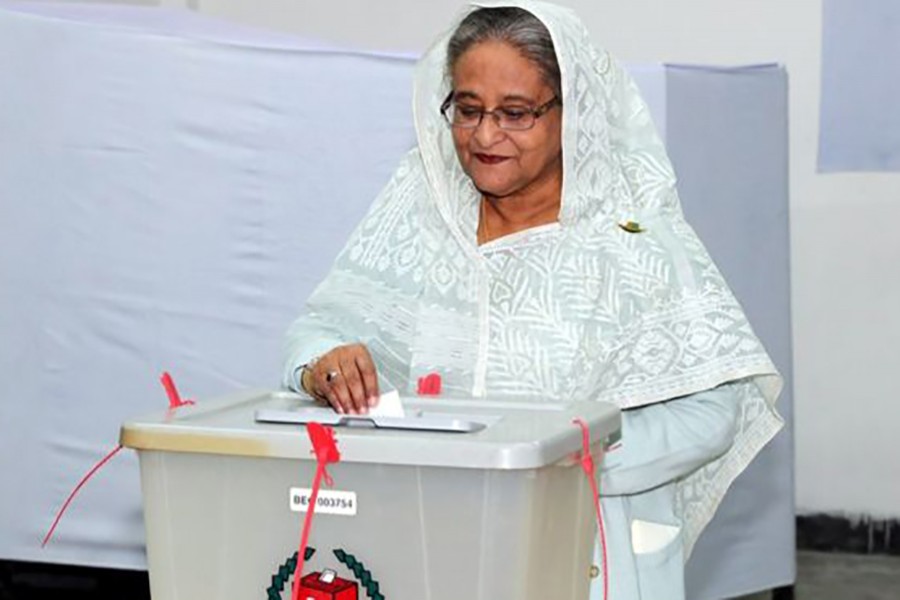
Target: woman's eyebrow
{"x": 465, "y": 95}
{"x": 469, "y": 95}
{"x": 518, "y": 98}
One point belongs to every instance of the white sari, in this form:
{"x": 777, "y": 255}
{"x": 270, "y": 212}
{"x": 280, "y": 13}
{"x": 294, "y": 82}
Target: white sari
{"x": 574, "y": 310}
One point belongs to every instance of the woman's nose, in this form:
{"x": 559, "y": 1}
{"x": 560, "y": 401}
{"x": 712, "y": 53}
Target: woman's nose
{"x": 488, "y": 131}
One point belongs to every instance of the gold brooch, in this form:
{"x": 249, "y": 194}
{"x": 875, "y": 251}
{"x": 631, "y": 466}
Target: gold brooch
{"x": 631, "y": 226}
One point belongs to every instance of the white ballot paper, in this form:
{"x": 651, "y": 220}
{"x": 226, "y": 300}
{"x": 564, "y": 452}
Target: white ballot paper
{"x": 389, "y": 405}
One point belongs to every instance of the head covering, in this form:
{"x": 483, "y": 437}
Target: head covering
{"x": 585, "y": 309}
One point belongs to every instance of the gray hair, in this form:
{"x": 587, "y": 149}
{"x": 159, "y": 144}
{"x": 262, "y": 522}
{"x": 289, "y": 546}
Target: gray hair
{"x": 515, "y": 26}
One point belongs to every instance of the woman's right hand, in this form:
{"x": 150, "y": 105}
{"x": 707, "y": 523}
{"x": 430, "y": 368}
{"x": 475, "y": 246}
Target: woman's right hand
{"x": 346, "y": 378}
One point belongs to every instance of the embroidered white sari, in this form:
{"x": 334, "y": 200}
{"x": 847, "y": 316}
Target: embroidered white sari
{"x": 581, "y": 309}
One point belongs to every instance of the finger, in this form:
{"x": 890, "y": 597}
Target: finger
{"x": 366, "y": 367}
{"x": 327, "y": 374}
{"x": 338, "y": 388}
{"x": 354, "y": 383}
{"x": 325, "y": 390}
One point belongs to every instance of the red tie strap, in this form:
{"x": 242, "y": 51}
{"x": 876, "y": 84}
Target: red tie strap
{"x": 326, "y": 451}
{"x": 175, "y": 401}
{"x": 587, "y": 464}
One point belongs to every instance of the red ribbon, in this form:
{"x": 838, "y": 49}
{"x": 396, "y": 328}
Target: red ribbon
{"x": 326, "y": 451}
{"x": 587, "y": 464}
{"x": 174, "y": 402}
{"x": 75, "y": 491}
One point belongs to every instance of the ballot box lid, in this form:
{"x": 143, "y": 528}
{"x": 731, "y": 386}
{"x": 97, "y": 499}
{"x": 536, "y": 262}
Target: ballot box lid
{"x": 483, "y": 433}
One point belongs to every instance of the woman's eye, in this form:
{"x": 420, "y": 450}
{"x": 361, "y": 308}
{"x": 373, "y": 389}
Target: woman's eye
{"x": 468, "y": 111}
{"x": 513, "y": 114}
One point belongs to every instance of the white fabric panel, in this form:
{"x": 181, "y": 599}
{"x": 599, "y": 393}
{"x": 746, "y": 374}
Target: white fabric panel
{"x": 859, "y": 120}
{"x": 163, "y": 22}
{"x": 171, "y": 188}
{"x": 651, "y": 80}
{"x": 728, "y": 141}
{"x": 167, "y": 204}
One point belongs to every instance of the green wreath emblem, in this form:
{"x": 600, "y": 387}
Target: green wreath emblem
{"x": 286, "y": 571}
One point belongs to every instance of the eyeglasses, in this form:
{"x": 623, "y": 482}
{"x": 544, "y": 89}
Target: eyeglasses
{"x": 510, "y": 118}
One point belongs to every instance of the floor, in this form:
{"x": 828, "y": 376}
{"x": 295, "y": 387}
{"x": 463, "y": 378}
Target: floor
{"x": 828, "y": 576}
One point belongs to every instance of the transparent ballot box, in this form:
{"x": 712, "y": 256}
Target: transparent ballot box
{"x": 458, "y": 499}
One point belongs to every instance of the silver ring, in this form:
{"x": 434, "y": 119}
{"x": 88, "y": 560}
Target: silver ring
{"x": 331, "y": 376}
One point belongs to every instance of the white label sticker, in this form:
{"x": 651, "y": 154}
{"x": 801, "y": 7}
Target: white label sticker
{"x": 329, "y": 502}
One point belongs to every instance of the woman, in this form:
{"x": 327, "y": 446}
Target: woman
{"x": 533, "y": 244}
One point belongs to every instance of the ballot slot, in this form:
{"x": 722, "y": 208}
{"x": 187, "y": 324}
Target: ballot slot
{"x": 450, "y": 415}
{"x": 417, "y": 420}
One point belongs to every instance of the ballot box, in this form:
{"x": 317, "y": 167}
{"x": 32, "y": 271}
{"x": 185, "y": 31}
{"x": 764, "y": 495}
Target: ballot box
{"x": 458, "y": 499}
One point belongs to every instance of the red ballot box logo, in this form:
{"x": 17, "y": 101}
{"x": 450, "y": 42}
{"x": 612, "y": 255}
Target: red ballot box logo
{"x": 327, "y": 586}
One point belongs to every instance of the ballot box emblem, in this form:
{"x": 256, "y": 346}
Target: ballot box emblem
{"x": 326, "y": 585}
{"x": 354, "y": 582}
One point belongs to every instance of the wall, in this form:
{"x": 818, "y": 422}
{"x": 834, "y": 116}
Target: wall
{"x": 843, "y": 282}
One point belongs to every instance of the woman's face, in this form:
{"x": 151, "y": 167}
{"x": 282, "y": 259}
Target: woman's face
{"x": 505, "y": 163}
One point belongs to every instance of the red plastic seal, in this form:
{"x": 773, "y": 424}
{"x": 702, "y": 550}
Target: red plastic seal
{"x": 326, "y": 451}
{"x": 429, "y": 385}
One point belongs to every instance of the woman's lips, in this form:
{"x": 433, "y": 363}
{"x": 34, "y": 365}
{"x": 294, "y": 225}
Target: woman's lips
{"x": 490, "y": 159}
